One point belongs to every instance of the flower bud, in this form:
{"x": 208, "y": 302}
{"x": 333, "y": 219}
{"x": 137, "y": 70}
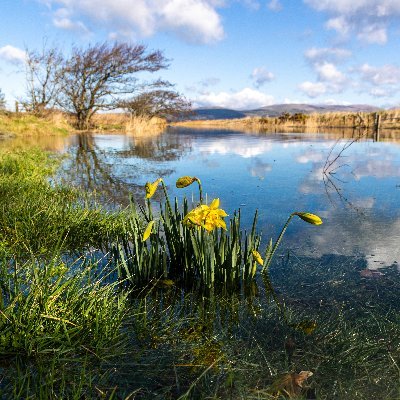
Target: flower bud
{"x": 310, "y": 218}
{"x": 185, "y": 181}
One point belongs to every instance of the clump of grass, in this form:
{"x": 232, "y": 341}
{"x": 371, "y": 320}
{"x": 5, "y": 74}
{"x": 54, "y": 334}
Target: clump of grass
{"x": 58, "y": 319}
{"x": 47, "y": 307}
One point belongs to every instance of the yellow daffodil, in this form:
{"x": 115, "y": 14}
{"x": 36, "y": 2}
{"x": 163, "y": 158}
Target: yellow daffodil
{"x": 257, "y": 257}
{"x": 208, "y": 217}
{"x": 310, "y": 218}
{"x": 185, "y": 181}
{"x": 151, "y": 188}
{"x": 147, "y": 231}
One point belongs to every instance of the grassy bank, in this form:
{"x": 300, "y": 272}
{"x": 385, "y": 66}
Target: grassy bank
{"x": 23, "y": 124}
{"x": 57, "y": 123}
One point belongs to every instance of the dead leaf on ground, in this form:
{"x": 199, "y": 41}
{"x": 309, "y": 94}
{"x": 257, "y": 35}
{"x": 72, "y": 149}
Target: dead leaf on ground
{"x": 290, "y": 385}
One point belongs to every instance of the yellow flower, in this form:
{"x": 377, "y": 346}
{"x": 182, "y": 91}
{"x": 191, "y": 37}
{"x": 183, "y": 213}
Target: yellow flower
{"x": 208, "y": 217}
{"x": 257, "y": 257}
{"x": 151, "y": 188}
{"x": 185, "y": 181}
{"x": 147, "y": 231}
{"x": 310, "y": 218}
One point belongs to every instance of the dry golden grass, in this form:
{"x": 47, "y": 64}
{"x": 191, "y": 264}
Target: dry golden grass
{"x": 142, "y": 126}
{"x": 24, "y": 124}
{"x": 389, "y": 120}
{"x": 121, "y": 122}
{"x": 110, "y": 122}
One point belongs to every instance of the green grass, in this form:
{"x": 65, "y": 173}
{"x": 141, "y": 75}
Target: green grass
{"x": 37, "y": 217}
{"x": 61, "y": 314}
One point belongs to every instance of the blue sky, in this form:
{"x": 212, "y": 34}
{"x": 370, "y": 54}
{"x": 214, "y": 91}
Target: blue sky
{"x": 239, "y": 54}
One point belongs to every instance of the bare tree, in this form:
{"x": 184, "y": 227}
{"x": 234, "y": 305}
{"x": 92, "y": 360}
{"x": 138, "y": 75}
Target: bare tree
{"x": 160, "y": 102}
{"x": 95, "y": 78}
{"x": 43, "y": 77}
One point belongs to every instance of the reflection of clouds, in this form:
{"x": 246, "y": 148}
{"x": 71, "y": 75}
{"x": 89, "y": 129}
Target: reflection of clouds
{"x": 211, "y": 163}
{"x": 260, "y": 168}
{"x": 242, "y": 147}
{"x": 311, "y": 156}
{"x": 370, "y": 236}
{"x": 377, "y": 168}
{"x": 345, "y": 232}
{"x": 375, "y": 162}
{"x": 312, "y": 183}
{"x": 366, "y": 203}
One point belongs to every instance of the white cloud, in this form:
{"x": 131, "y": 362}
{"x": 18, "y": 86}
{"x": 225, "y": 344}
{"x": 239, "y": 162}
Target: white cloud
{"x": 313, "y": 89}
{"x": 327, "y": 72}
{"x": 381, "y": 92}
{"x": 373, "y": 34}
{"x": 12, "y": 54}
{"x": 247, "y": 98}
{"x": 194, "y": 20}
{"x": 274, "y": 5}
{"x": 252, "y": 4}
{"x": 331, "y": 54}
{"x": 369, "y": 19}
{"x": 69, "y": 25}
{"x": 330, "y": 80}
{"x": 388, "y": 74}
{"x": 210, "y": 81}
{"x": 261, "y": 75}
{"x": 340, "y": 25}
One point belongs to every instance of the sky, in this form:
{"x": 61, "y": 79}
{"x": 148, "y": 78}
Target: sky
{"x": 240, "y": 54}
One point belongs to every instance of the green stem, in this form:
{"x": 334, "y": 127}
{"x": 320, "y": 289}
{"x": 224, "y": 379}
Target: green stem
{"x": 167, "y": 198}
{"x": 267, "y": 264}
{"x": 149, "y": 208}
{"x": 200, "y": 190}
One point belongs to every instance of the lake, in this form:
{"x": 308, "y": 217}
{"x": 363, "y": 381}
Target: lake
{"x": 330, "y": 303}
{"x": 354, "y": 185}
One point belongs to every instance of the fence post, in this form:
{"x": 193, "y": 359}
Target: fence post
{"x": 377, "y": 127}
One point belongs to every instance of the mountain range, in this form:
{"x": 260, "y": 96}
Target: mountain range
{"x": 276, "y": 110}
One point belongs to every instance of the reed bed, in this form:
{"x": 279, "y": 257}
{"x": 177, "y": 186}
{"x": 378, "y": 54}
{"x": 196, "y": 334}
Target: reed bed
{"x": 389, "y": 119}
{"x": 129, "y": 124}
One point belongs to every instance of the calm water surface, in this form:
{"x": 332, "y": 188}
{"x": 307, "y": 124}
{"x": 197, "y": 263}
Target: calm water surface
{"x": 353, "y": 186}
{"x": 321, "y": 273}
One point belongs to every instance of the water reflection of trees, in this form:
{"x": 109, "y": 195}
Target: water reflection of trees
{"x": 163, "y": 147}
{"x": 115, "y": 174}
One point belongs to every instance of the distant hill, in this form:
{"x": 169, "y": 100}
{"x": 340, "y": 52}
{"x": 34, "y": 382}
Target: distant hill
{"x": 276, "y": 110}
{"x": 216, "y": 113}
